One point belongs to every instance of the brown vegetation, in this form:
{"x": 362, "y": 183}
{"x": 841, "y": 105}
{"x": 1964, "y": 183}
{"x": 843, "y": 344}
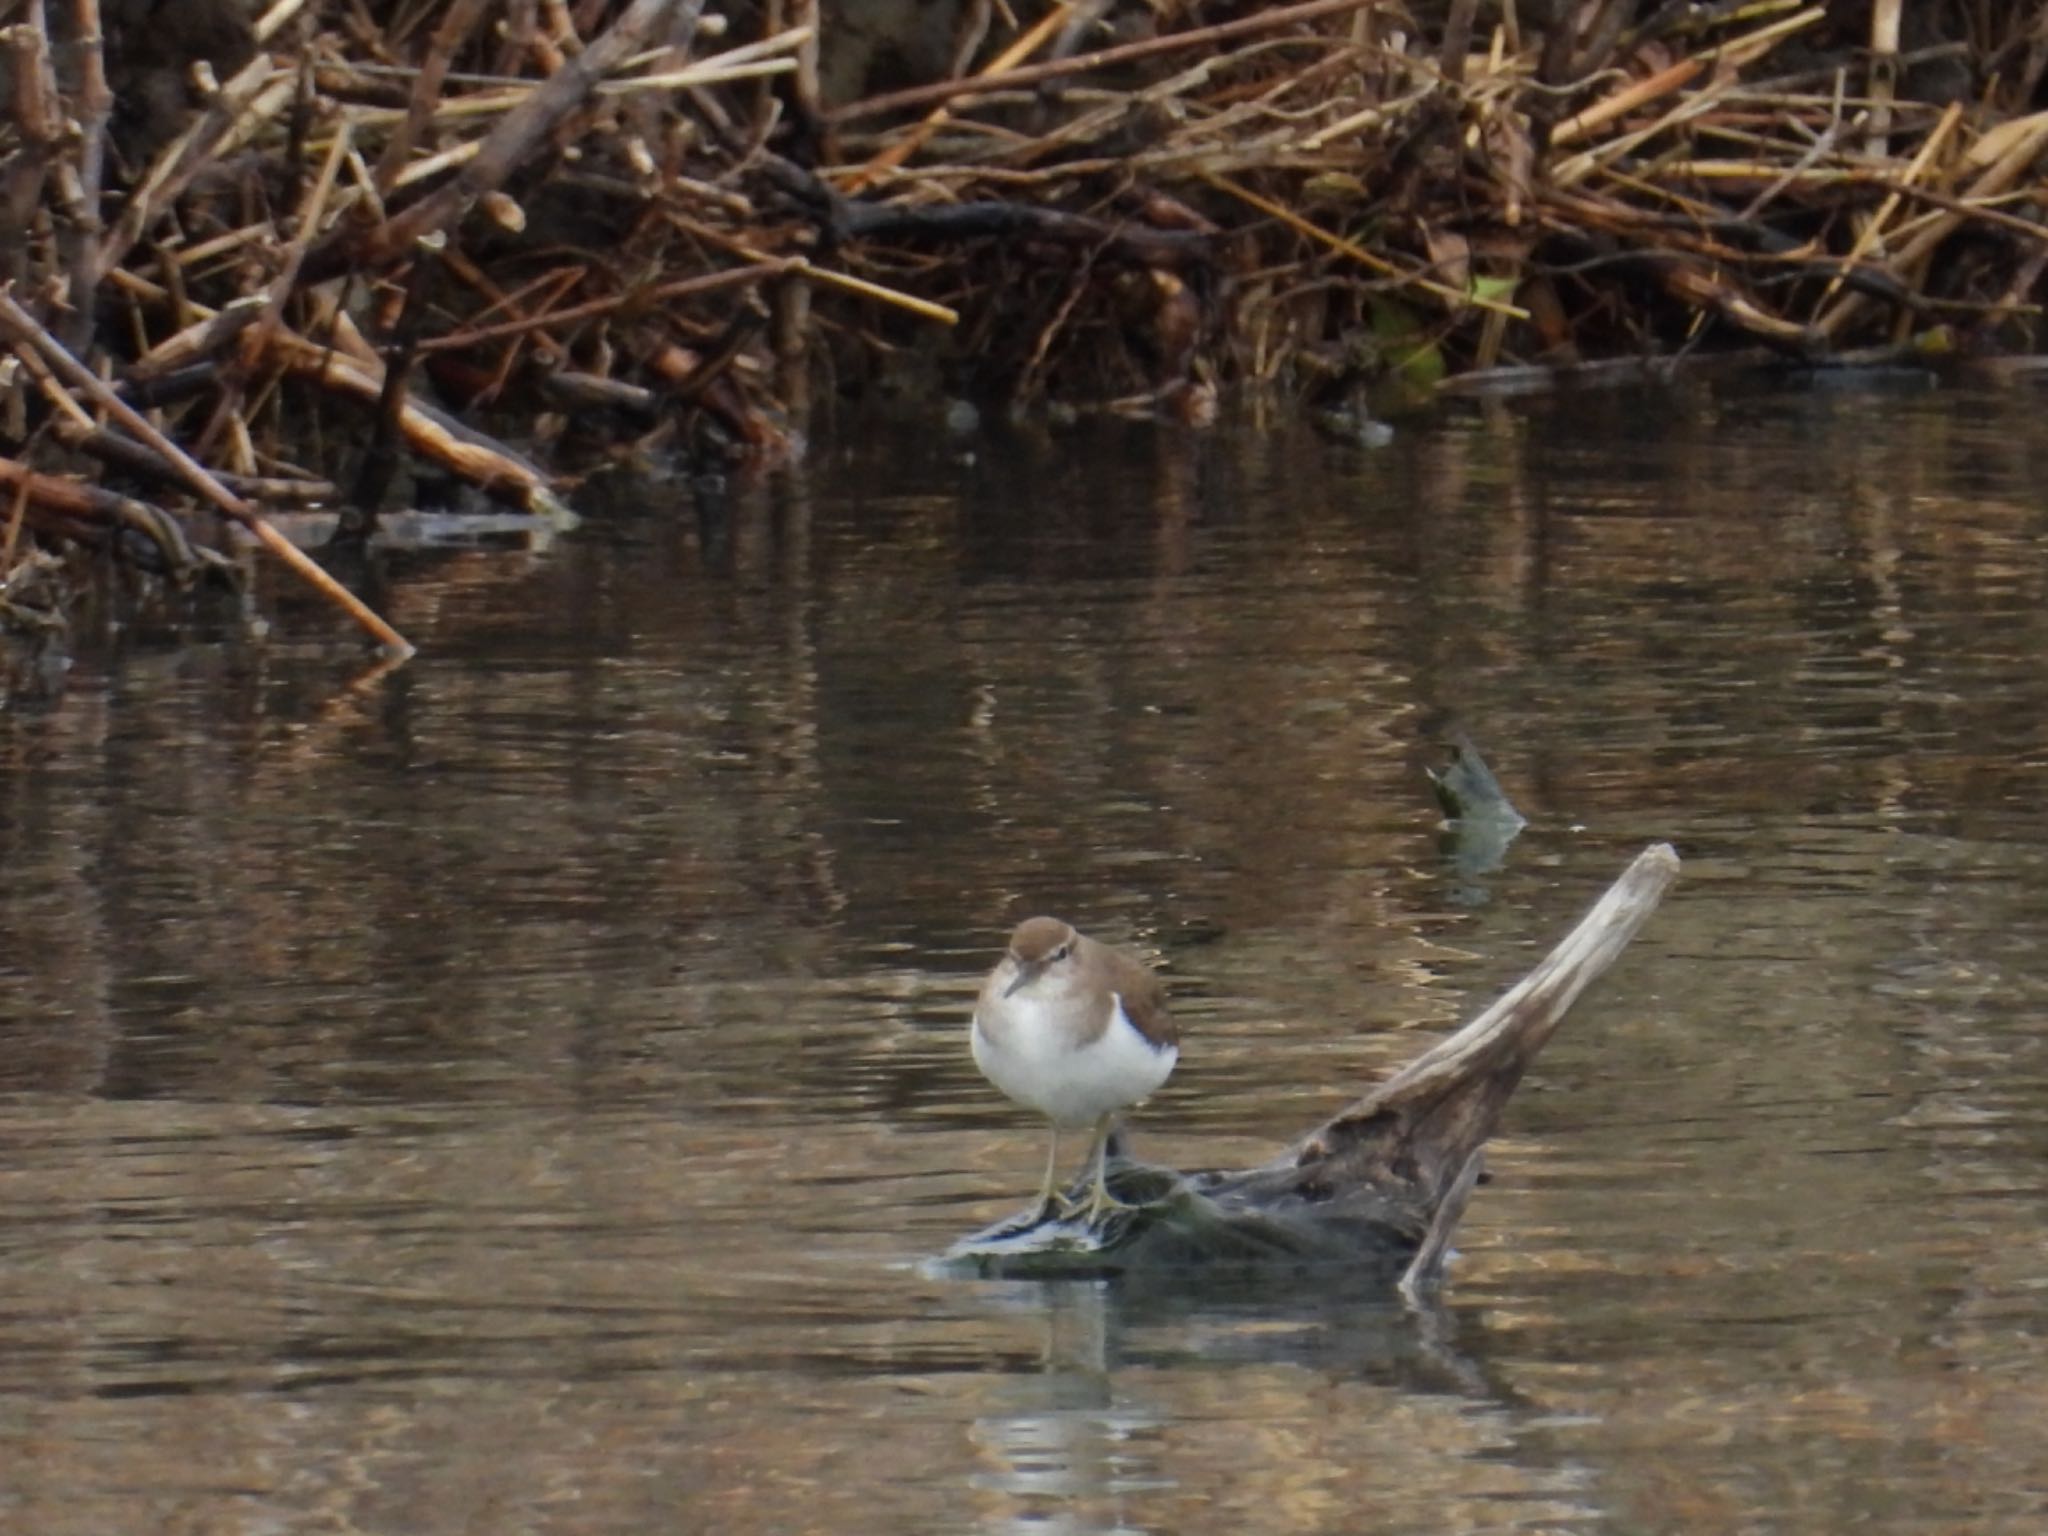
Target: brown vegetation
{"x": 279, "y": 254}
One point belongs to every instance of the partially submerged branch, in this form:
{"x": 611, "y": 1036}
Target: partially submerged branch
{"x": 1377, "y": 1189}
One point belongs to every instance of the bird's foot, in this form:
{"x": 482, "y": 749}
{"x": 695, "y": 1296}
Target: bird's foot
{"x": 1093, "y": 1211}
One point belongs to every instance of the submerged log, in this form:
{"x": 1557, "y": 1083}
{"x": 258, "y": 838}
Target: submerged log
{"x": 1380, "y": 1188}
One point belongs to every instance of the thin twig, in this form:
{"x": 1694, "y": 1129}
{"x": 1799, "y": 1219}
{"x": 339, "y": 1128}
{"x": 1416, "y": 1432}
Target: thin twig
{"x": 93, "y": 103}
{"x": 460, "y": 19}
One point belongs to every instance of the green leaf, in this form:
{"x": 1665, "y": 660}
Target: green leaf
{"x": 1409, "y": 354}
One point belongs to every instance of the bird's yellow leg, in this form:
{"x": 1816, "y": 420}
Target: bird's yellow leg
{"x": 1048, "y": 1202}
{"x": 1100, "y": 1202}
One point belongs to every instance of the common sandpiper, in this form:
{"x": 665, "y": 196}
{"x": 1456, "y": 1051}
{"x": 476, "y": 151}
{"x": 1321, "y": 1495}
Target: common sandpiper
{"x": 1077, "y": 1031}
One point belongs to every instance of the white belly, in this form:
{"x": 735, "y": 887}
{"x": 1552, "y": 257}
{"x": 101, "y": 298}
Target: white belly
{"x": 1031, "y": 1060}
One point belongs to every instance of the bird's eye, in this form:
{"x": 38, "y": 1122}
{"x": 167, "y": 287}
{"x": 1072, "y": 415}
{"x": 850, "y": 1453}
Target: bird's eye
{"x": 1061, "y": 952}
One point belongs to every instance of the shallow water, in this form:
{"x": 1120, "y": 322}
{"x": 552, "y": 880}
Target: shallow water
{"x": 517, "y": 1093}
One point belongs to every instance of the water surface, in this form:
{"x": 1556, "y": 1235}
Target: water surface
{"x": 517, "y": 1093}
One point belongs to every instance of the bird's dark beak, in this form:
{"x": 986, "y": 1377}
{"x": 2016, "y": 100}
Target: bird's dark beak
{"x": 1027, "y": 972}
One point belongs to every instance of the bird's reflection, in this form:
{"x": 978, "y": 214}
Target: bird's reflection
{"x": 1077, "y": 1436}
{"x": 1067, "y": 1433}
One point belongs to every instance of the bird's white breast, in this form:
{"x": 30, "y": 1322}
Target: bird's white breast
{"x": 1026, "y": 1045}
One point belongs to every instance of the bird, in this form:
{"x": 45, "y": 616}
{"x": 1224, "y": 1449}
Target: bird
{"x": 1076, "y": 1030}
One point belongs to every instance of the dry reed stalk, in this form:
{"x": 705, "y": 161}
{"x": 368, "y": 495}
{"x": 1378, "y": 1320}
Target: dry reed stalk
{"x": 1226, "y": 198}
{"x": 428, "y": 431}
{"x": 280, "y": 15}
{"x": 2015, "y": 152}
{"x": 240, "y": 109}
{"x": 1127, "y": 53}
{"x": 1873, "y": 227}
{"x": 1885, "y": 16}
{"x": 79, "y": 237}
{"x": 40, "y": 126}
{"x": 16, "y": 512}
{"x": 457, "y": 23}
{"x": 908, "y": 144}
{"x": 381, "y": 457}
{"x": 28, "y": 334}
{"x": 1455, "y": 297}
{"x": 311, "y": 215}
{"x": 503, "y": 149}
{"x": 85, "y": 506}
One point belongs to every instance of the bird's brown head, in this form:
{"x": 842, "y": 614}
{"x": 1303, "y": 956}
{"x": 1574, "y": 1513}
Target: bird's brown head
{"x": 1038, "y": 944}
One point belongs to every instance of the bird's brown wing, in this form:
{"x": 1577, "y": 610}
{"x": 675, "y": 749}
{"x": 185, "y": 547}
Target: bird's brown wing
{"x": 1144, "y": 1000}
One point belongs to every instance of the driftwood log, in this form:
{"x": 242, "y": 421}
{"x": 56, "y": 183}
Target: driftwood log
{"x": 1381, "y": 1187}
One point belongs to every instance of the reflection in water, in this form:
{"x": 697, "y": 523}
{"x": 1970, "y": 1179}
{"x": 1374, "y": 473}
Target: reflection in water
{"x": 1064, "y": 1442}
{"x": 515, "y": 1092}
{"x": 1307, "y": 1375}
{"x": 1064, "y": 1434}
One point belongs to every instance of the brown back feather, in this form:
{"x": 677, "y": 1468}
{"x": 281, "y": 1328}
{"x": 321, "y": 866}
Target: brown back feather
{"x": 1143, "y": 993}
